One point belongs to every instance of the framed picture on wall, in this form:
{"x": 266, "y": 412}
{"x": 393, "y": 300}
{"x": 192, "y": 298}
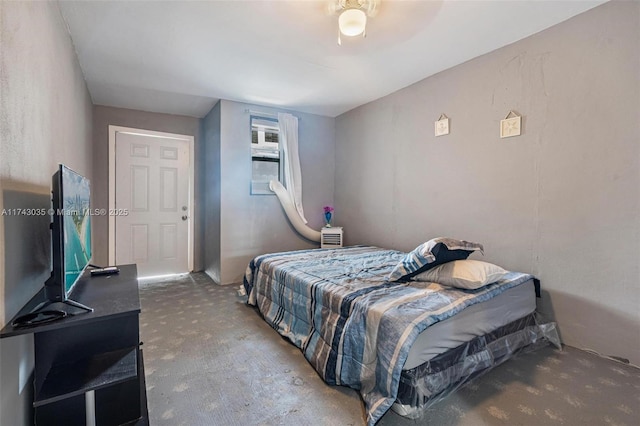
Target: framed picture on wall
{"x": 510, "y": 125}
{"x": 442, "y": 125}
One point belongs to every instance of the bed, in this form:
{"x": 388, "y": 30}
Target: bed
{"x": 364, "y": 318}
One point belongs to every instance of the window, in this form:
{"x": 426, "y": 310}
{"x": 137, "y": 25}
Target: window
{"x": 266, "y": 157}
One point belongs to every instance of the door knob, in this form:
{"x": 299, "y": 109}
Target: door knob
{"x": 185, "y": 217}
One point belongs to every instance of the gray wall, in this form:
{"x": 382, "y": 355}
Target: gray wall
{"x": 211, "y": 179}
{"x": 560, "y": 201}
{"x": 45, "y": 119}
{"x": 256, "y": 224}
{"x": 103, "y": 117}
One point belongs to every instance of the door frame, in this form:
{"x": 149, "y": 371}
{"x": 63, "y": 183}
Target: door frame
{"x": 113, "y": 131}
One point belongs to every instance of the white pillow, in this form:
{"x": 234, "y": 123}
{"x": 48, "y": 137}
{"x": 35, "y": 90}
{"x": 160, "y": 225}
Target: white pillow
{"x": 469, "y": 274}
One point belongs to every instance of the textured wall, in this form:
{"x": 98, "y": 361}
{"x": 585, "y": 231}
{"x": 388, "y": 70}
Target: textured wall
{"x": 103, "y": 117}
{"x": 256, "y": 224}
{"x": 560, "y": 201}
{"x": 211, "y": 178}
{"x": 45, "y": 119}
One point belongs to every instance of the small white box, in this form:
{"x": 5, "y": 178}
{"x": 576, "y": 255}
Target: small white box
{"x": 331, "y": 237}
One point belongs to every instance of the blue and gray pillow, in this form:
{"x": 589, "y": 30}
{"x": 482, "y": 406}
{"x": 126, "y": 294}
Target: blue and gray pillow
{"x": 431, "y": 254}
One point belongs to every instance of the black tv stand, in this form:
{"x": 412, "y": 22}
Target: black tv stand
{"x": 89, "y": 368}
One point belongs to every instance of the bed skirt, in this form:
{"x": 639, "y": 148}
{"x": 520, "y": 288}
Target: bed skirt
{"x": 429, "y": 383}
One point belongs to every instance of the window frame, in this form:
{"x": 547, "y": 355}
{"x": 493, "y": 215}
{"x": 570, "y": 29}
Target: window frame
{"x": 261, "y": 187}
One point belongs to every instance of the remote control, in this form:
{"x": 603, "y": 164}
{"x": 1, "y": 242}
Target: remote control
{"x": 105, "y": 271}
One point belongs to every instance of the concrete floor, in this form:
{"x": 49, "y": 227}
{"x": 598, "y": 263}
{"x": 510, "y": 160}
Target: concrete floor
{"x": 212, "y": 360}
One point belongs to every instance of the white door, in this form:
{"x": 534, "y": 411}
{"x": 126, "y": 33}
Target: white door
{"x": 152, "y": 217}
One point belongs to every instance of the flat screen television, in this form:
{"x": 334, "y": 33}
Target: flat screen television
{"x": 70, "y": 234}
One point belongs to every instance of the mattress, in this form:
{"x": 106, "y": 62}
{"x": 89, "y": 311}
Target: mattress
{"x": 354, "y": 326}
{"x": 474, "y": 321}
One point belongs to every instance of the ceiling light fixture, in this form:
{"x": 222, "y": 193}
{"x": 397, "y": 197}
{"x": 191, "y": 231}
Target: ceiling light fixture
{"x": 352, "y": 19}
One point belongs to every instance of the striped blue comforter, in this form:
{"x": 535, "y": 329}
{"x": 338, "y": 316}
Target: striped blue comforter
{"x": 352, "y": 324}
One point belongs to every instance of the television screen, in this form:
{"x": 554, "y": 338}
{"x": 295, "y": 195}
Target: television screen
{"x": 76, "y": 226}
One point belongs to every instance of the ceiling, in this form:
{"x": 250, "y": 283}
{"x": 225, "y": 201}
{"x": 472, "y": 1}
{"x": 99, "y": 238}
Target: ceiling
{"x": 180, "y": 57}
